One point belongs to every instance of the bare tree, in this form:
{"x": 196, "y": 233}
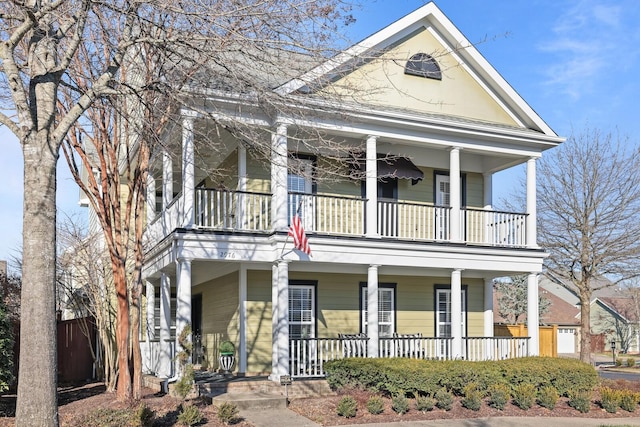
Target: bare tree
{"x": 84, "y": 279}
{"x": 512, "y": 299}
{"x": 589, "y": 205}
{"x": 40, "y": 41}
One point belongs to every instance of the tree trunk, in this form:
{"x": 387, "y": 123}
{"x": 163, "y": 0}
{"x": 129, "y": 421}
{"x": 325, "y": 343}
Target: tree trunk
{"x": 37, "y": 398}
{"x": 585, "y": 327}
{"x": 123, "y": 390}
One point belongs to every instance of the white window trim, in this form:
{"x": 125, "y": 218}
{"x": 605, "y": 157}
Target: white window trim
{"x": 363, "y": 310}
{"x": 312, "y": 322}
{"x": 447, "y": 292}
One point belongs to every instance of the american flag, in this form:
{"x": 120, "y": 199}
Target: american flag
{"x": 296, "y": 231}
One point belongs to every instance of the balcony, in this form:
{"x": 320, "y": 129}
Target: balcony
{"x": 346, "y": 216}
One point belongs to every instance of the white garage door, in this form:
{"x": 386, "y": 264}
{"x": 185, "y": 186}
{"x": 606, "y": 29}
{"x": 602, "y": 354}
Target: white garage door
{"x": 566, "y": 340}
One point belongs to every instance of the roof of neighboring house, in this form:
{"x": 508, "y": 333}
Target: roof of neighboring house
{"x": 624, "y": 307}
{"x": 560, "y": 312}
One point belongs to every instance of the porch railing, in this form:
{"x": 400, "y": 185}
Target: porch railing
{"x": 494, "y": 228}
{"x": 233, "y": 210}
{"x": 328, "y": 214}
{"x": 413, "y": 221}
{"x": 345, "y": 215}
{"x": 495, "y": 348}
{"x": 308, "y": 355}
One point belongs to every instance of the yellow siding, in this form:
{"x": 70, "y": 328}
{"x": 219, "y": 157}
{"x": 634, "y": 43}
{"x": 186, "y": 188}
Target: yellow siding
{"x": 258, "y": 176}
{"x": 382, "y": 81}
{"x": 219, "y": 315}
{"x": 259, "y": 321}
{"x": 475, "y": 190}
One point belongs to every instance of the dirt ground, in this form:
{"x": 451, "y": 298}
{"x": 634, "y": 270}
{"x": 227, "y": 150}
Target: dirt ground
{"x": 75, "y": 403}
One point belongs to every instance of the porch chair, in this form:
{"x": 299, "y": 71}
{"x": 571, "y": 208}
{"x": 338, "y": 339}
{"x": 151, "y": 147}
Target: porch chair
{"x": 353, "y": 345}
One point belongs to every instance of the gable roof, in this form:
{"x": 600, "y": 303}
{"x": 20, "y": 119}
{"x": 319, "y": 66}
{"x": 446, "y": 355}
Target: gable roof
{"x": 428, "y": 17}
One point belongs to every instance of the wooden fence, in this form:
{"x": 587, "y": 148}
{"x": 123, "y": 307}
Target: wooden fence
{"x": 548, "y": 336}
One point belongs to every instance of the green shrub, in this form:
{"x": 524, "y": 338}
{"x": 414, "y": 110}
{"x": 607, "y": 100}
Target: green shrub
{"x": 499, "y": 395}
{"x": 347, "y": 407}
{"x": 548, "y": 397}
{"x": 631, "y": 362}
{"x": 227, "y": 412}
{"x": 628, "y": 400}
{"x": 425, "y": 403}
{"x": 400, "y": 404}
{"x": 142, "y": 416}
{"x": 444, "y": 399}
{"x": 610, "y": 399}
{"x": 472, "y": 398}
{"x": 618, "y": 361}
{"x": 185, "y": 384}
{"x": 190, "y": 415}
{"x": 580, "y": 400}
{"x": 227, "y": 348}
{"x": 375, "y": 405}
{"x": 426, "y": 377}
{"x": 524, "y": 396}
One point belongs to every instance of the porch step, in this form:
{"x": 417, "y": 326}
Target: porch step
{"x": 300, "y": 389}
{"x": 252, "y": 400}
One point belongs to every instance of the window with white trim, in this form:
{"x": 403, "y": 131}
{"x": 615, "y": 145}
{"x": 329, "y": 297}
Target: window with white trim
{"x": 302, "y": 314}
{"x": 443, "y": 312}
{"x": 386, "y": 311}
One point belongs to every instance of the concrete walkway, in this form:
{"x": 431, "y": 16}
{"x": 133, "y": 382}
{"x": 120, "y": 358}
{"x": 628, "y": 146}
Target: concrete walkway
{"x": 287, "y": 418}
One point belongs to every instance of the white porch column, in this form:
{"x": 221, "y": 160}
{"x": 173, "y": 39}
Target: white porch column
{"x": 183, "y": 302}
{"x": 454, "y": 192}
{"x": 279, "y": 173}
{"x": 280, "y": 292}
{"x": 167, "y": 179}
{"x": 165, "y": 369}
{"x": 151, "y": 305}
{"x": 151, "y": 197}
{"x": 274, "y": 323}
{"x": 456, "y": 313}
{"x": 242, "y": 185}
{"x": 488, "y": 191}
{"x": 532, "y": 314}
{"x": 188, "y": 169}
{"x": 372, "y": 311}
{"x": 531, "y": 204}
{"x": 242, "y": 319}
{"x": 371, "y": 188}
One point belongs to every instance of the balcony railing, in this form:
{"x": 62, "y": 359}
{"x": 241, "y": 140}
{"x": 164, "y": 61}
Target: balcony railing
{"x": 308, "y": 355}
{"x": 233, "y": 210}
{"x": 345, "y": 215}
{"x": 494, "y": 228}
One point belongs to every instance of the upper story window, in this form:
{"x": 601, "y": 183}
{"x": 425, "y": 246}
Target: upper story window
{"x": 423, "y": 65}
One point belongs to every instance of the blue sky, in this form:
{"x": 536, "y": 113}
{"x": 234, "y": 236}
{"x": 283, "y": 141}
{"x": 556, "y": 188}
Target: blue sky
{"x": 576, "y": 62}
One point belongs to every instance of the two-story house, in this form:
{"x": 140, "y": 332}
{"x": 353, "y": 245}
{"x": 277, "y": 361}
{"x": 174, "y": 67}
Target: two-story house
{"x": 404, "y": 242}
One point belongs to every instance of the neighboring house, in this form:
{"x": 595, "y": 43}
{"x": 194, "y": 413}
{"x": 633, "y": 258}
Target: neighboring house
{"x": 613, "y": 316}
{"x": 404, "y": 254}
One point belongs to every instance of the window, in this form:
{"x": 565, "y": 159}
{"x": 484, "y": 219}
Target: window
{"x": 423, "y": 65}
{"x": 386, "y": 310}
{"x": 443, "y": 311}
{"x": 302, "y": 314}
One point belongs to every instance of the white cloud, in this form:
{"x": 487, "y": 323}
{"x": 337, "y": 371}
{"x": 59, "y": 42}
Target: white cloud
{"x": 590, "y": 41}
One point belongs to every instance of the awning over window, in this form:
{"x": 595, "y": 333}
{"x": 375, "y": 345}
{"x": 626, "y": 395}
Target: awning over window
{"x": 392, "y": 167}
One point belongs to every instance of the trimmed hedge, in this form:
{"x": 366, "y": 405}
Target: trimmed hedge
{"x": 425, "y": 377}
